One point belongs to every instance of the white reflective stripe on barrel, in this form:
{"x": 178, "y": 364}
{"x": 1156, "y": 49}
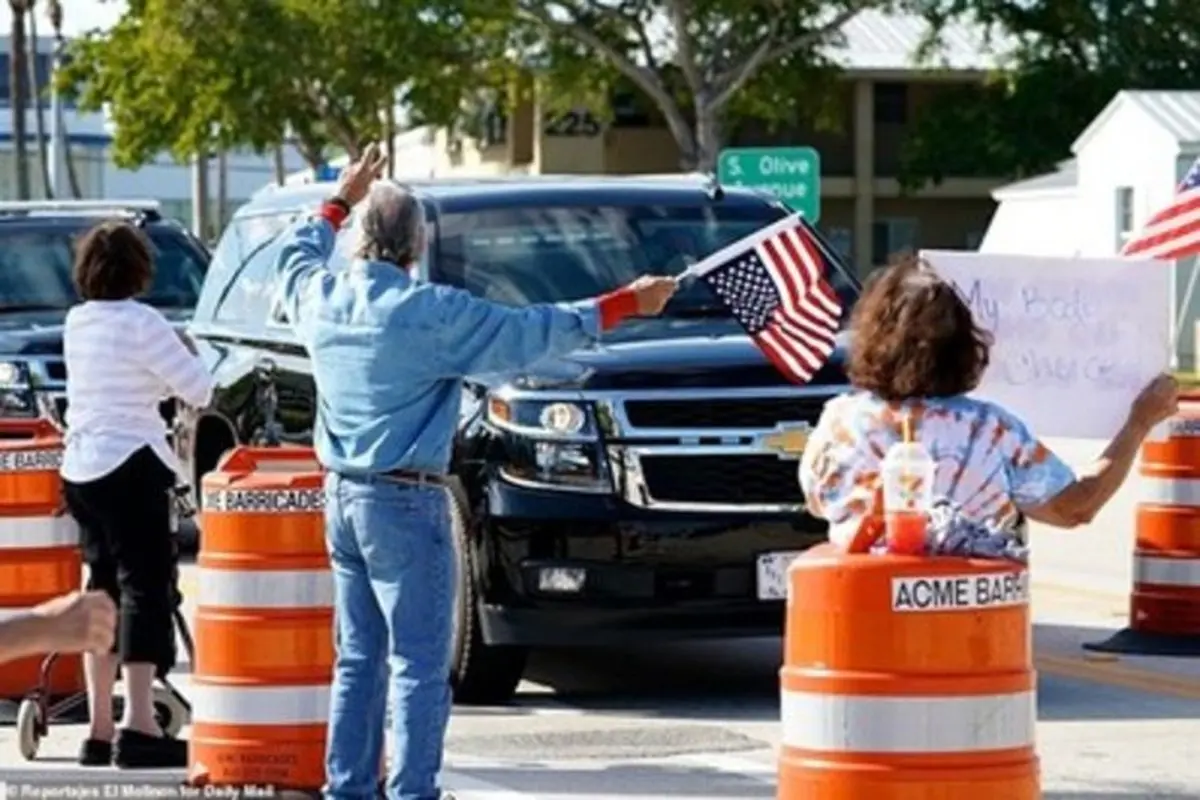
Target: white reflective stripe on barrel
{"x": 227, "y": 588}
{"x": 865, "y": 724}
{"x": 12, "y": 613}
{"x": 28, "y": 532}
{"x": 1166, "y": 571}
{"x": 218, "y": 704}
{"x": 1171, "y": 491}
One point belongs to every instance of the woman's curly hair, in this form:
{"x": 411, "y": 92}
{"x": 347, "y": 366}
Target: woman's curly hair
{"x": 913, "y": 336}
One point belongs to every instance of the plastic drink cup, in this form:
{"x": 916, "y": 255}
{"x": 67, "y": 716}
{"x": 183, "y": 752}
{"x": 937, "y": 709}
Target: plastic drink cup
{"x": 907, "y": 473}
{"x": 906, "y": 532}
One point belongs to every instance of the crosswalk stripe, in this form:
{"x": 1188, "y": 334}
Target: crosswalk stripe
{"x": 758, "y": 771}
{"x": 466, "y": 787}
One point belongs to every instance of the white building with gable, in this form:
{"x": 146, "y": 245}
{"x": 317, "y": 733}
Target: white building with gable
{"x": 1126, "y": 167}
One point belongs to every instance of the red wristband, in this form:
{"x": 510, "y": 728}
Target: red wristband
{"x": 616, "y": 307}
{"x": 334, "y": 213}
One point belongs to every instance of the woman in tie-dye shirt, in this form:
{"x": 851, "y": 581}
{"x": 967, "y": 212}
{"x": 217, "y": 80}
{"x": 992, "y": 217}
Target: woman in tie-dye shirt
{"x": 916, "y": 352}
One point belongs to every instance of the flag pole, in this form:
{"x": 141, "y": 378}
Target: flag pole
{"x": 1181, "y": 312}
{"x": 725, "y": 253}
{"x": 703, "y": 265}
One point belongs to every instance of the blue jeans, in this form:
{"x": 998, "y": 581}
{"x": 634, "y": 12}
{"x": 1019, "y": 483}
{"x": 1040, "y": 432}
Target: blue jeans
{"x": 394, "y": 577}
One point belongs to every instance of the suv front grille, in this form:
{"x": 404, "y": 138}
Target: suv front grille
{"x": 727, "y": 480}
{"x": 752, "y": 412}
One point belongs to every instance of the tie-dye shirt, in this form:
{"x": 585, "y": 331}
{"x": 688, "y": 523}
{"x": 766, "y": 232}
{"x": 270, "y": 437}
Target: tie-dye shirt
{"x": 988, "y": 461}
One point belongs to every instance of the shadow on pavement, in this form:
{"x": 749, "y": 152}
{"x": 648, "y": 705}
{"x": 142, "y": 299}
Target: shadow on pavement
{"x": 725, "y": 680}
{"x": 738, "y": 680}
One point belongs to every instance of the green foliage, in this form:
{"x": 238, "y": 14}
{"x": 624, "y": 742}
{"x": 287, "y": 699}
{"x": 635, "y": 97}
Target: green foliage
{"x": 702, "y": 63}
{"x": 1069, "y": 57}
{"x": 190, "y": 76}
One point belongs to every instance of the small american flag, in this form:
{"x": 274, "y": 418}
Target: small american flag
{"x": 774, "y": 283}
{"x": 1173, "y": 232}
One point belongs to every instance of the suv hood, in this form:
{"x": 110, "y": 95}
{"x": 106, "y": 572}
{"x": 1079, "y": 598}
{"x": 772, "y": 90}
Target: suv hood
{"x": 671, "y": 353}
{"x": 40, "y": 332}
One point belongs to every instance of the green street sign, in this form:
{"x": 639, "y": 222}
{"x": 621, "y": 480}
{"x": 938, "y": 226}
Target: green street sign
{"x": 793, "y": 174}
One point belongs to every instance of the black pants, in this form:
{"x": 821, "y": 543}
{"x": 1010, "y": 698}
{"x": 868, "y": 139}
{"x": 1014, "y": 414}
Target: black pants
{"x": 125, "y": 530}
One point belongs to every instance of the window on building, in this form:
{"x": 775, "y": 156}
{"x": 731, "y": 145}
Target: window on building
{"x": 1124, "y": 213}
{"x": 892, "y": 236}
{"x": 842, "y": 242}
{"x": 891, "y": 103}
{"x": 974, "y": 239}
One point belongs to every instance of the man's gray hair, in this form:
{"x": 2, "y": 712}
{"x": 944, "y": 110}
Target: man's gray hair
{"x": 391, "y": 225}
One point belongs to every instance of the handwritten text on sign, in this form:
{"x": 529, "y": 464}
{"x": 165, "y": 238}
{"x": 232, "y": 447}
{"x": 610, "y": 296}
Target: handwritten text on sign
{"x": 1075, "y": 339}
{"x": 960, "y": 592}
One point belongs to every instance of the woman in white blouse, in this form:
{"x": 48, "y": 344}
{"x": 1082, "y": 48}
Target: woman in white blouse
{"x": 122, "y": 358}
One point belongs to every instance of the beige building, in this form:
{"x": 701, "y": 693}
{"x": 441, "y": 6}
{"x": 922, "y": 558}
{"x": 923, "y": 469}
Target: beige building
{"x": 863, "y": 210}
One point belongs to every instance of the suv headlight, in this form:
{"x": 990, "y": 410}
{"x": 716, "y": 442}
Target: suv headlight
{"x": 552, "y": 443}
{"x": 18, "y": 397}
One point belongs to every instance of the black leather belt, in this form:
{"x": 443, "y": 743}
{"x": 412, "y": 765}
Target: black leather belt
{"x": 412, "y": 476}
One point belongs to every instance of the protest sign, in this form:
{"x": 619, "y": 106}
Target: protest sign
{"x": 1075, "y": 338}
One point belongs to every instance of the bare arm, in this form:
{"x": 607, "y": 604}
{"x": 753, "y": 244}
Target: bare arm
{"x": 71, "y": 623}
{"x": 1080, "y": 501}
{"x": 23, "y": 636}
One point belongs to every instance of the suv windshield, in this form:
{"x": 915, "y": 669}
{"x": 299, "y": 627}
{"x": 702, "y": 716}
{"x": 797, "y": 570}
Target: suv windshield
{"x": 35, "y": 267}
{"x": 519, "y": 256}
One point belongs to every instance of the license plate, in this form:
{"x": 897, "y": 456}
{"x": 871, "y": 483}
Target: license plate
{"x": 772, "y": 574}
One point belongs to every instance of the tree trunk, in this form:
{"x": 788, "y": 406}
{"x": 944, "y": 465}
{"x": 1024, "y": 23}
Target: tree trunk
{"x": 312, "y": 151}
{"x": 222, "y": 191}
{"x": 39, "y": 117}
{"x": 63, "y": 157}
{"x": 280, "y": 168}
{"x": 708, "y": 137}
{"x": 389, "y": 134}
{"x": 18, "y": 96}
{"x": 200, "y": 197}
{"x": 69, "y": 157}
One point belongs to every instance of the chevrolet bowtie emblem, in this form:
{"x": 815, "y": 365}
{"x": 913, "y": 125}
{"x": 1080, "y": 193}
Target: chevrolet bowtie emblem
{"x": 788, "y": 442}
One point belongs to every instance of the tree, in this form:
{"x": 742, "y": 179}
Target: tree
{"x": 18, "y": 99}
{"x": 702, "y": 61}
{"x": 1067, "y": 59}
{"x": 54, "y": 10}
{"x": 39, "y": 111}
{"x": 193, "y": 76}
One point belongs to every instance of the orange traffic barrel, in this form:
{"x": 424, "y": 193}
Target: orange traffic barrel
{"x": 907, "y": 678}
{"x": 1164, "y": 606}
{"x": 264, "y": 624}
{"x": 39, "y": 546}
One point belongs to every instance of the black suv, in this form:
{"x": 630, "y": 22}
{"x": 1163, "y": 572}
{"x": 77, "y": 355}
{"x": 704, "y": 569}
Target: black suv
{"x": 644, "y": 488}
{"x": 36, "y": 253}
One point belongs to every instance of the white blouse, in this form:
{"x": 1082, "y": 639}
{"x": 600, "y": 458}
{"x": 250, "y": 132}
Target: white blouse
{"x": 123, "y": 358}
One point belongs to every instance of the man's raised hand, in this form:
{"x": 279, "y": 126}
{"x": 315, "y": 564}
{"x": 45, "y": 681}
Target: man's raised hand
{"x": 357, "y": 177}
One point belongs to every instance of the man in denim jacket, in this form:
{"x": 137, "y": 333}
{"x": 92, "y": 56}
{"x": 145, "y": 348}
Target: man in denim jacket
{"x": 388, "y": 355}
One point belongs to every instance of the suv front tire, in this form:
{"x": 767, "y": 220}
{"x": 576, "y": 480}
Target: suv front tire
{"x": 480, "y": 674}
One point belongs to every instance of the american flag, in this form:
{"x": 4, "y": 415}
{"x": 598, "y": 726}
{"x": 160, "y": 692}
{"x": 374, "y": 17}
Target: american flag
{"x": 1173, "y": 232}
{"x": 774, "y": 283}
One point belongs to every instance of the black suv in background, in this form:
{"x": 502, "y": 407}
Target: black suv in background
{"x": 646, "y": 488}
{"x": 37, "y": 242}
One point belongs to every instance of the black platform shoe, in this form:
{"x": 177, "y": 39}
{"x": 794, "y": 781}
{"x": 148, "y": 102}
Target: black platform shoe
{"x": 95, "y": 753}
{"x": 134, "y": 750}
